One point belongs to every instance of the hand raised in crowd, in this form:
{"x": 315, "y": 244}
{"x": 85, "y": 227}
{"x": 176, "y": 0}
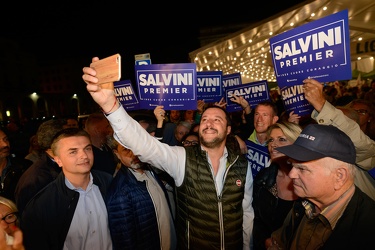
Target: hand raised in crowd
{"x": 221, "y": 103}
{"x": 200, "y": 106}
{"x": 105, "y": 97}
{"x": 242, "y": 102}
{"x": 159, "y": 113}
{"x": 294, "y": 117}
{"x": 314, "y": 93}
{"x": 239, "y": 100}
{"x": 17, "y": 241}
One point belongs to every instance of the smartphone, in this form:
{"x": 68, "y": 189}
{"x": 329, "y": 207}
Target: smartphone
{"x": 108, "y": 70}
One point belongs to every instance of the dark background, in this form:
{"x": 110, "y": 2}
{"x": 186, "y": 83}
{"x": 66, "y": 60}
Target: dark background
{"x": 63, "y": 31}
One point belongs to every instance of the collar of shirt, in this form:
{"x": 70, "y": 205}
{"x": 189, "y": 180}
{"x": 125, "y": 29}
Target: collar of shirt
{"x": 253, "y": 138}
{"x": 334, "y": 211}
{"x": 72, "y": 187}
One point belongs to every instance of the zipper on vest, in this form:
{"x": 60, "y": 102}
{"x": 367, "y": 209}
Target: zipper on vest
{"x": 221, "y": 222}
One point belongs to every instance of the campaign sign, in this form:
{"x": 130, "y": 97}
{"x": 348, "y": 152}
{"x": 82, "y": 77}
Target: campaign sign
{"x": 143, "y": 62}
{"x": 258, "y": 157}
{"x": 253, "y": 93}
{"x": 230, "y": 80}
{"x": 126, "y": 95}
{"x": 210, "y": 86}
{"x": 172, "y": 85}
{"x": 319, "y": 50}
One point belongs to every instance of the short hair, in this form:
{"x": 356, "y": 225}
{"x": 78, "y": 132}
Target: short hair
{"x": 94, "y": 118}
{"x": 268, "y": 103}
{"x": 185, "y": 124}
{"x": 227, "y": 116}
{"x": 8, "y": 203}
{"x": 66, "y": 133}
{"x": 13, "y": 207}
{"x": 290, "y": 129}
{"x": 47, "y": 130}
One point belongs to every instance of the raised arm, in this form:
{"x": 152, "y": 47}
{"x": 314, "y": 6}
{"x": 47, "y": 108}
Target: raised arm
{"x": 132, "y": 135}
{"x": 105, "y": 97}
{"x": 326, "y": 113}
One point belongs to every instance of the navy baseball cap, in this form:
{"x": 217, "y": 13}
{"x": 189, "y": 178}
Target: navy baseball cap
{"x": 317, "y": 141}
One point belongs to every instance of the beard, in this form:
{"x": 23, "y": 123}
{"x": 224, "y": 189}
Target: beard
{"x": 215, "y": 142}
{"x": 138, "y": 165}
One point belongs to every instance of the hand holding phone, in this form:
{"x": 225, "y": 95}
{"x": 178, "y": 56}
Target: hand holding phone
{"x": 108, "y": 70}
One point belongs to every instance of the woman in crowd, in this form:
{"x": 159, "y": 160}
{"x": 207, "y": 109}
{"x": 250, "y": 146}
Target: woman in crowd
{"x": 273, "y": 189}
{"x": 9, "y": 218}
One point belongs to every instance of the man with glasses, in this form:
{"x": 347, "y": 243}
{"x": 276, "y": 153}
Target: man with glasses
{"x": 190, "y": 139}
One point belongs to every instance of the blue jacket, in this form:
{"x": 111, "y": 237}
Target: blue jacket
{"x": 131, "y": 213}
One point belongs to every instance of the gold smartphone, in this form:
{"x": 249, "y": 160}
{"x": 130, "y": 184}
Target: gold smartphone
{"x": 108, "y": 70}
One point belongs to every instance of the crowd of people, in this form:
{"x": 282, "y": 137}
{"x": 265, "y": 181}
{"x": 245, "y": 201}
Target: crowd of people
{"x": 181, "y": 180}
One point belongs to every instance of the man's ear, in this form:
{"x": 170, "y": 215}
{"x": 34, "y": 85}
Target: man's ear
{"x": 229, "y": 129}
{"x": 275, "y": 119}
{"x": 341, "y": 176}
{"x": 58, "y": 161}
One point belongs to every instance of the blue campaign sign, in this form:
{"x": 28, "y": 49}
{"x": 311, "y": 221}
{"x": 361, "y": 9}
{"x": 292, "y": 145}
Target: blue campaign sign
{"x": 171, "y": 85}
{"x": 210, "y": 86}
{"x": 258, "y": 157}
{"x": 319, "y": 50}
{"x": 143, "y": 62}
{"x": 253, "y": 92}
{"x": 230, "y": 80}
{"x": 126, "y": 95}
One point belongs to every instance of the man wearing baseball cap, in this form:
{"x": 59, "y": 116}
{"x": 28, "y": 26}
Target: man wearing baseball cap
{"x": 332, "y": 213}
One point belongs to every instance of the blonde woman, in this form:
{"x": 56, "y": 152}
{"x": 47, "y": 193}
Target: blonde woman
{"x": 9, "y": 218}
{"x": 273, "y": 189}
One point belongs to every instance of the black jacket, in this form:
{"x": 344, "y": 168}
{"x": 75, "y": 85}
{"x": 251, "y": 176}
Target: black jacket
{"x": 46, "y": 219}
{"x": 11, "y": 174}
{"x": 36, "y": 177}
{"x": 354, "y": 229}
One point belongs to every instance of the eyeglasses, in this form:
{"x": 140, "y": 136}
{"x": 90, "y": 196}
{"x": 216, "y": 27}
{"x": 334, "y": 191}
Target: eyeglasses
{"x": 10, "y": 218}
{"x": 361, "y": 111}
{"x": 188, "y": 143}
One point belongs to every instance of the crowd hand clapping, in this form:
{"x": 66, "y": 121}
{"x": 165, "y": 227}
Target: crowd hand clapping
{"x": 102, "y": 96}
{"x": 314, "y": 93}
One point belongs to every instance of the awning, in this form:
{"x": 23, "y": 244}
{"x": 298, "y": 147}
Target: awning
{"x": 248, "y": 52}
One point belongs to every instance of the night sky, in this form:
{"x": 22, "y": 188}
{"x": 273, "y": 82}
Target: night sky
{"x": 58, "y": 30}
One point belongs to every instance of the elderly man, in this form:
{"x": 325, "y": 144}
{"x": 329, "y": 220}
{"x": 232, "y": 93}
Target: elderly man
{"x": 336, "y": 213}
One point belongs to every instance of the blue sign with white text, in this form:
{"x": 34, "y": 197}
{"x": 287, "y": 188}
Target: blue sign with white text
{"x": 253, "y": 93}
{"x": 319, "y": 50}
{"x": 209, "y": 86}
{"x": 258, "y": 157}
{"x": 171, "y": 85}
{"x": 230, "y": 80}
{"x": 126, "y": 95}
